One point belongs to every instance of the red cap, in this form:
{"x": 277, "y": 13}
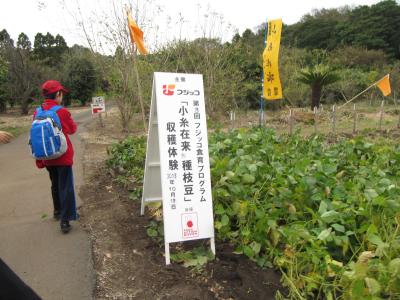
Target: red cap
{"x": 52, "y": 86}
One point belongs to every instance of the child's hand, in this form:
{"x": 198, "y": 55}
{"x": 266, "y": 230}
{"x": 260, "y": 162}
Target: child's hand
{"x": 5, "y": 137}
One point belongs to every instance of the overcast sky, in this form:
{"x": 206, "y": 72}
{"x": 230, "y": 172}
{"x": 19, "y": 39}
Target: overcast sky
{"x": 160, "y": 20}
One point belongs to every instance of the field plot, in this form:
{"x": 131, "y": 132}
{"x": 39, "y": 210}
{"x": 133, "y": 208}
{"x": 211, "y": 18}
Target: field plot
{"x": 323, "y": 210}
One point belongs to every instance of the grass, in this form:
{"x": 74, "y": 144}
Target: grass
{"x": 15, "y": 131}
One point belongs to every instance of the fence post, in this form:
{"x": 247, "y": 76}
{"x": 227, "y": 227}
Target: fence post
{"x": 354, "y": 118}
{"x": 315, "y": 119}
{"x": 232, "y": 117}
{"x": 381, "y": 115}
{"x": 333, "y": 119}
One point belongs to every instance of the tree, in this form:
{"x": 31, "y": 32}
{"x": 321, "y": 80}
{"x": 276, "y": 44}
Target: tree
{"x": 24, "y": 42}
{"x": 3, "y": 82}
{"x": 81, "y": 79}
{"x": 49, "y": 49}
{"x": 5, "y": 39}
{"x": 317, "y": 77}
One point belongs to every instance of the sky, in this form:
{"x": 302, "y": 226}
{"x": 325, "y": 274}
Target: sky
{"x": 161, "y": 20}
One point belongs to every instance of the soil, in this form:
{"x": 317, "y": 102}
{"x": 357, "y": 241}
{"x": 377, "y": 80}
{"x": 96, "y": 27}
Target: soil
{"x": 129, "y": 264}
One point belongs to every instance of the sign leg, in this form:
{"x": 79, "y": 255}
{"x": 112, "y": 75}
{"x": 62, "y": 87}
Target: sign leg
{"x": 212, "y": 244}
{"x": 142, "y": 207}
{"x": 167, "y": 256}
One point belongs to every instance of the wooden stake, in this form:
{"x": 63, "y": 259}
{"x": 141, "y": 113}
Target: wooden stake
{"x": 315, "y": 119}
{"x": 354, "y": 119}
{"x": 381, "y": 116}
{"x": 290, "y": 121}
{"x": 232, "y": 119}
{"x": 101, "y": 120}
{"x": 333, "y": 119}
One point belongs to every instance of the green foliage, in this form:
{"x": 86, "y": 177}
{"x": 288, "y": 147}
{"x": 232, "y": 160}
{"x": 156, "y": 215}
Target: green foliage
{"x": 3, "y": 81}
{"x": 312, "y": 209}
{"x": 196, "y": 258}
{"x": 24, "y": 42}
{"x": 371, "y": 27}
{"x": 81, "y": 79}
{"x": 317, "y": 77}
{"x": 127, "y": 159}
{"x": 49, "y": 49}
{"x": 320, "y": 75}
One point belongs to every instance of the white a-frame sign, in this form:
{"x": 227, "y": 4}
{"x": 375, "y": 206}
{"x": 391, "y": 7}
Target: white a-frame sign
{"x": 177, "y": 168}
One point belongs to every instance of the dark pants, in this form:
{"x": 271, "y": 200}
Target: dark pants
{"x": 62, "y": 191}
{"x": 12, "y": 287}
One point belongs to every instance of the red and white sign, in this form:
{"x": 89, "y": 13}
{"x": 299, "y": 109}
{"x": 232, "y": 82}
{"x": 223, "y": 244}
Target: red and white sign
{"x": 98, "y": 105}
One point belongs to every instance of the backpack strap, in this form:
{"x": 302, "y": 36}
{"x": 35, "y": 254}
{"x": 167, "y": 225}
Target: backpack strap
{"x": 56, "y": 117}
{"x": 55, "y": 108}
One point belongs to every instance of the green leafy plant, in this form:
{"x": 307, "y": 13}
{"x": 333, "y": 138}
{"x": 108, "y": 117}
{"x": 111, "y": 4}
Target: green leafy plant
{"x": 310, "y": 209}
{"x": 126, "y": 160}
{"x": 196, "y": 258}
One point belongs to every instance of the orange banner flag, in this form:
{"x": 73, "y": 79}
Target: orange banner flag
{"x": 384, "y": 85}
{"x": 136, "y": 35}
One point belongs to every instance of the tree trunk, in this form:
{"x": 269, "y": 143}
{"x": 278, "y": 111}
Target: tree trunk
{"x": 315, "y": 96}
{"x": 3, "y": 106}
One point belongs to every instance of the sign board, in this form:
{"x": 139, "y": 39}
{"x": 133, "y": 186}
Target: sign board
{"x": 177, "y": 170}
{"x": 98, "y": 105}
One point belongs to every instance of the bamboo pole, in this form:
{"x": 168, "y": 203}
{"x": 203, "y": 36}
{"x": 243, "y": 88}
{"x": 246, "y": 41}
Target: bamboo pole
{"x": 139, "y": 87}
{"x": 139, "y": 91}
{"x": 359, "y": 94}
{"x": 381, "y": 115}
{"x": 333, "y": 119}
{"x": 354, "y": 118}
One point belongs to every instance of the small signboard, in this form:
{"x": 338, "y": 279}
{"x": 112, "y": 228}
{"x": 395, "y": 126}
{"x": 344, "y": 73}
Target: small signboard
{"x": 177, "y": 170}
{"x": 98, "y": 105}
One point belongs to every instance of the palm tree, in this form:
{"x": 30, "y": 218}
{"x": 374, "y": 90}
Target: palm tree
{"x": 317, "y": 77}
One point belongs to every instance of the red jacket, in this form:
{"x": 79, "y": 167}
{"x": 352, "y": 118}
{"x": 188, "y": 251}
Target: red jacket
{"x": 68, "y": 127}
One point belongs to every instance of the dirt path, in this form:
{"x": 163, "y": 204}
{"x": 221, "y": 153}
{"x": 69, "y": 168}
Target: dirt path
{"x": 55, "y": 265}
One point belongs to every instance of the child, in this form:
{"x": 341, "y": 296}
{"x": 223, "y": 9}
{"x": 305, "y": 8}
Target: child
{"x": 60, "y": 169}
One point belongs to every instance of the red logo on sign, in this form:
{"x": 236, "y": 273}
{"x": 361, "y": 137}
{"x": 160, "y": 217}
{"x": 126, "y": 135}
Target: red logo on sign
{"x": 190, "y": 225}
{"x": 168, "y": 89}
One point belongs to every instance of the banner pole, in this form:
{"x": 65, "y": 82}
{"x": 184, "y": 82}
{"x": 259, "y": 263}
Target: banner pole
{"x": 262, "y": 81}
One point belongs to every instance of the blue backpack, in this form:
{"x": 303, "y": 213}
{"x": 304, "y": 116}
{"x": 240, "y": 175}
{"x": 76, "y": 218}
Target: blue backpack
{"x": 47, "y": 140}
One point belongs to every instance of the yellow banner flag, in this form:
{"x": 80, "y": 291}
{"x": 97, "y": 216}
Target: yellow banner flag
{"x": 136, "y": 35}
{"x": 384, "y": 85}
{"x": 272, "y": 81}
